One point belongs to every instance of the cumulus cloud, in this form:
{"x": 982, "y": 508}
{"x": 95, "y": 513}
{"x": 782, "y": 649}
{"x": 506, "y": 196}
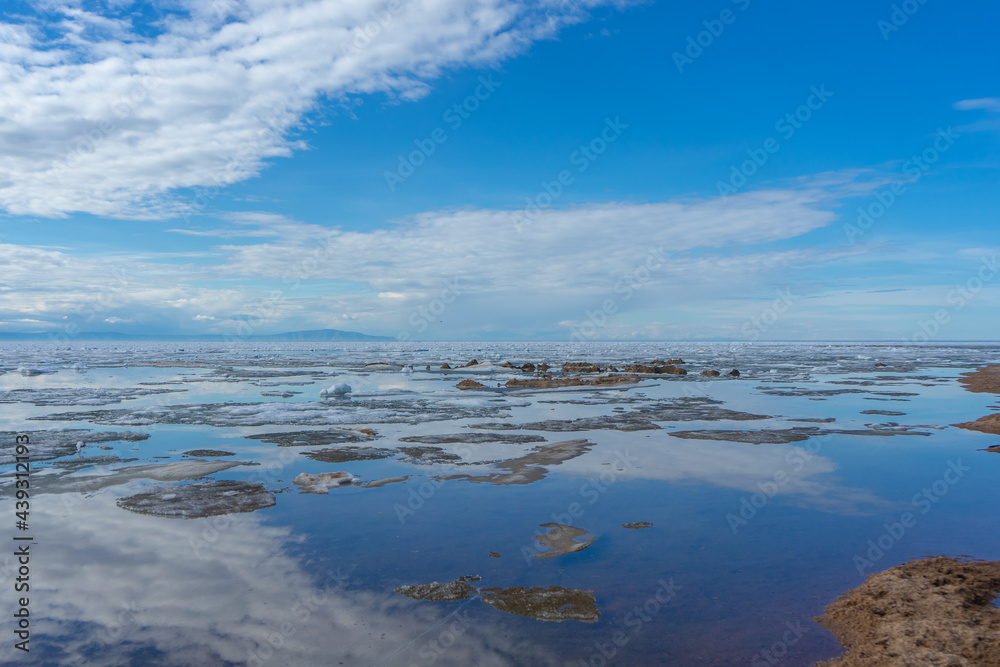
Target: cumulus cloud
{"x": 101, "y": 117}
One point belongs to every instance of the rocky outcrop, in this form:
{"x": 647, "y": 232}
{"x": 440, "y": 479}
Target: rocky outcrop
{"x": 933, "y": 611}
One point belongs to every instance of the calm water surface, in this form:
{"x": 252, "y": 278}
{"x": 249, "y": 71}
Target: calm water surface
{"x": 748, "y": 541}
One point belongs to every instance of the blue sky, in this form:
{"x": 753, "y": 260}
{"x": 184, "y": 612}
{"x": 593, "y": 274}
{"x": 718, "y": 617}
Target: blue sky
{"x": 490, "y": 169}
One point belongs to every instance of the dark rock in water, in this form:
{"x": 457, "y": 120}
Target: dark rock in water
{"x": 573, "y": 381}
{"x": 580, "y": 367}
{"x": 879, "y": 365}
{"x": 473, "y": 437}
{"x": 554, "y": 603}
{"x": 654, "y": 369}
{"x": 711, "y": 374}
{"x": 542, "y": 367}
{"x": 315, "y": 438}
{"x": 888, "y": 413}
{"x": 428, "y": 455}
{"x": 734, "y": 373}
{"x": 201, "y": 499}
{"x": 494, "y": 554}
{"x": 815, "y": 420}
{"x": 445, "y": 366}
{"x": 562, "y": 539}
{"x": 528, "y": 368}
{"x": 472, "y": 362}
{"x": 470, "y": 384}
{"x": 637, "y": 525}
{"x": 452, "y": 591}
{"x": 427, "y": 368}
{"x": 994, "y": 448}
{"x": 207, "y": 453}
{"x": 346, "y": 454}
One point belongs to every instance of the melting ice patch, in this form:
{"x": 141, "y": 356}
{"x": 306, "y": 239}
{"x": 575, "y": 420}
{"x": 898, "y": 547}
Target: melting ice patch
{"x": 300, "y": 414}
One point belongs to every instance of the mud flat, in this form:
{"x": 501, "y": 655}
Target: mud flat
{"x": 987, "y": 424}
{"x": 982, "y": 380}
{"x": 933, "y": 611}
{"x": 201, "y": 499}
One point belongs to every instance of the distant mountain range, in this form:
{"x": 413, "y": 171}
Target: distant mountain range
{"x": 312, "y": 336}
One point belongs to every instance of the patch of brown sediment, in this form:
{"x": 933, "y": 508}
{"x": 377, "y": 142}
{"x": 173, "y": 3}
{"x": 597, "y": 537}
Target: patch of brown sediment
{"x": 787, "y": 435}
{"x": 315, "y": 438}
{"x": 637, "y": 525}
{"x": 530, "y": 467}
{"x": 473, "y": 438}
{"x": 562, "y": 539}
{"x": 470, "y": 384}
{"x": 424, "y": 455}
{"x": 555, "y": 603}
{"x": 982, "y": 380}
{"x": 452, "y": 591}
{"x": 933, "y": 611}
{"x": 987, "y": 424}
{"x": 348, "y": 454}
{"x": 201, "y": 499}
{"x": 375, "y": 483}
{"x": 555, "y": 383}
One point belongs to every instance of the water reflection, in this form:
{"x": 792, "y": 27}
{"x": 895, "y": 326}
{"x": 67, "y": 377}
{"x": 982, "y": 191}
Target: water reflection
{"x": 112, "y": 588}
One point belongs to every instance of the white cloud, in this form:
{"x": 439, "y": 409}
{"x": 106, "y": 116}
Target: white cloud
{"x": 108, "y": 121}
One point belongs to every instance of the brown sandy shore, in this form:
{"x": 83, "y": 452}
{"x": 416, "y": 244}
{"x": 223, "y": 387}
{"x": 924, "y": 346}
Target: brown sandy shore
{"x": 933, "y": 611}
{"x": 983, "y": 380}
{"x": 929, "y": 611}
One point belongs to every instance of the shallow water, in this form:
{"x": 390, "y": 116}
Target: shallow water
{"x": 748, "y": 541}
